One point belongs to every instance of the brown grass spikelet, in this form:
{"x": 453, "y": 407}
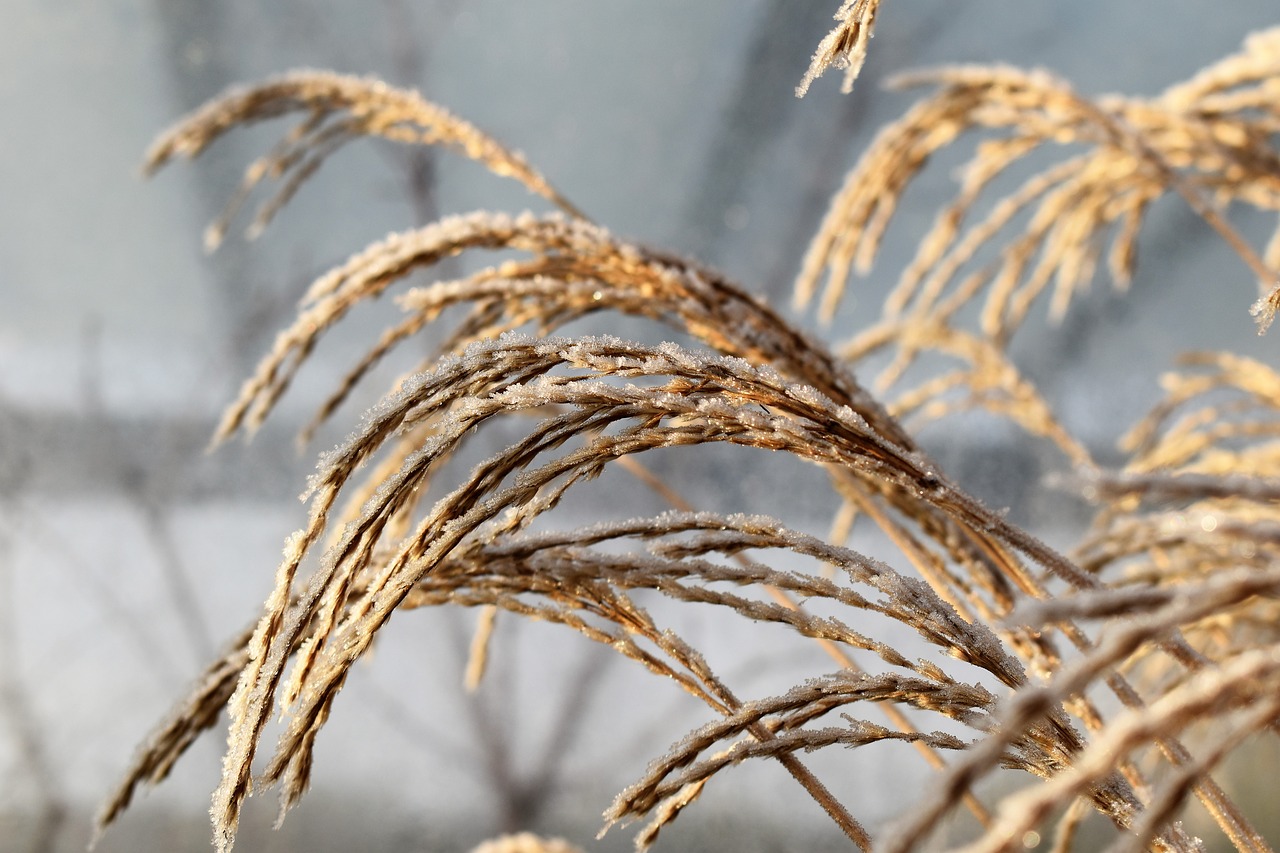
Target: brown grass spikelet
{"x": 193, "y": 716}
{"x": 845, "y": 46}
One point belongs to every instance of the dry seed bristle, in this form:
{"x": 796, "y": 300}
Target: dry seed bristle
{"x": 845, "y": 46}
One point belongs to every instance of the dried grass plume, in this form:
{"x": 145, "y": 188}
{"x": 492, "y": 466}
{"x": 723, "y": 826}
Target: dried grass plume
{"x": 1111, "y": 681}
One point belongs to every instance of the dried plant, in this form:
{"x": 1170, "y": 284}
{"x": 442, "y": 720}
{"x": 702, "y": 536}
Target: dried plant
{"x": 1004, "y": 678}
{"x": 1209, "y": 140}
{"x": 1198, "y": 500}
{"x": 845, "y": 46}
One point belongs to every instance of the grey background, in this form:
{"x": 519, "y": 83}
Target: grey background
{"x": 126, "y": 554}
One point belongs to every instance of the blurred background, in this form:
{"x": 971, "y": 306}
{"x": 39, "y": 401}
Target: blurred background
{"x": 128, "y": 555}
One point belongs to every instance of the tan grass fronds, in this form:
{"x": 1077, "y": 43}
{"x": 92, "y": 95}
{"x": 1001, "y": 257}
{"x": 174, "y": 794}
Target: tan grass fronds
{"x": 1221, "y": 590}
{"x": 336, "y": 109}
{"x": 683, "y": 766}
{"x": 1198, "y": 502}
{"x": 1249, "y": 683}
{"x": 1210, "y": 140}
{"x": 1173, "y": 790}
{"x": 857, "y": 733}
{"x": 394, "y": 525}
{"x": 701, "y": 400}
{"x": 333, "y": 618}
{"x": 1237, "y": 400}
{"x": 576, "y": 269}
{"x": 196, "y": 714}
{"x": 845, "y": 46}
{"x": 1211, "y": 448}
{"x": 1026, "y": 707}
{"x": 1104, "y": 485}
{"x": 984, "y": 379}
{"x": 704, "y": 400}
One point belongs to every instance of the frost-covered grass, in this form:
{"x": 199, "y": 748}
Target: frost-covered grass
{"x": 967, "y": 642}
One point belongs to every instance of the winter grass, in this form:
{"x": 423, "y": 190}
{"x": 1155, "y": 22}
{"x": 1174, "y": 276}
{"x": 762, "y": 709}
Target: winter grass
{"x": 1176, "y": 581}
